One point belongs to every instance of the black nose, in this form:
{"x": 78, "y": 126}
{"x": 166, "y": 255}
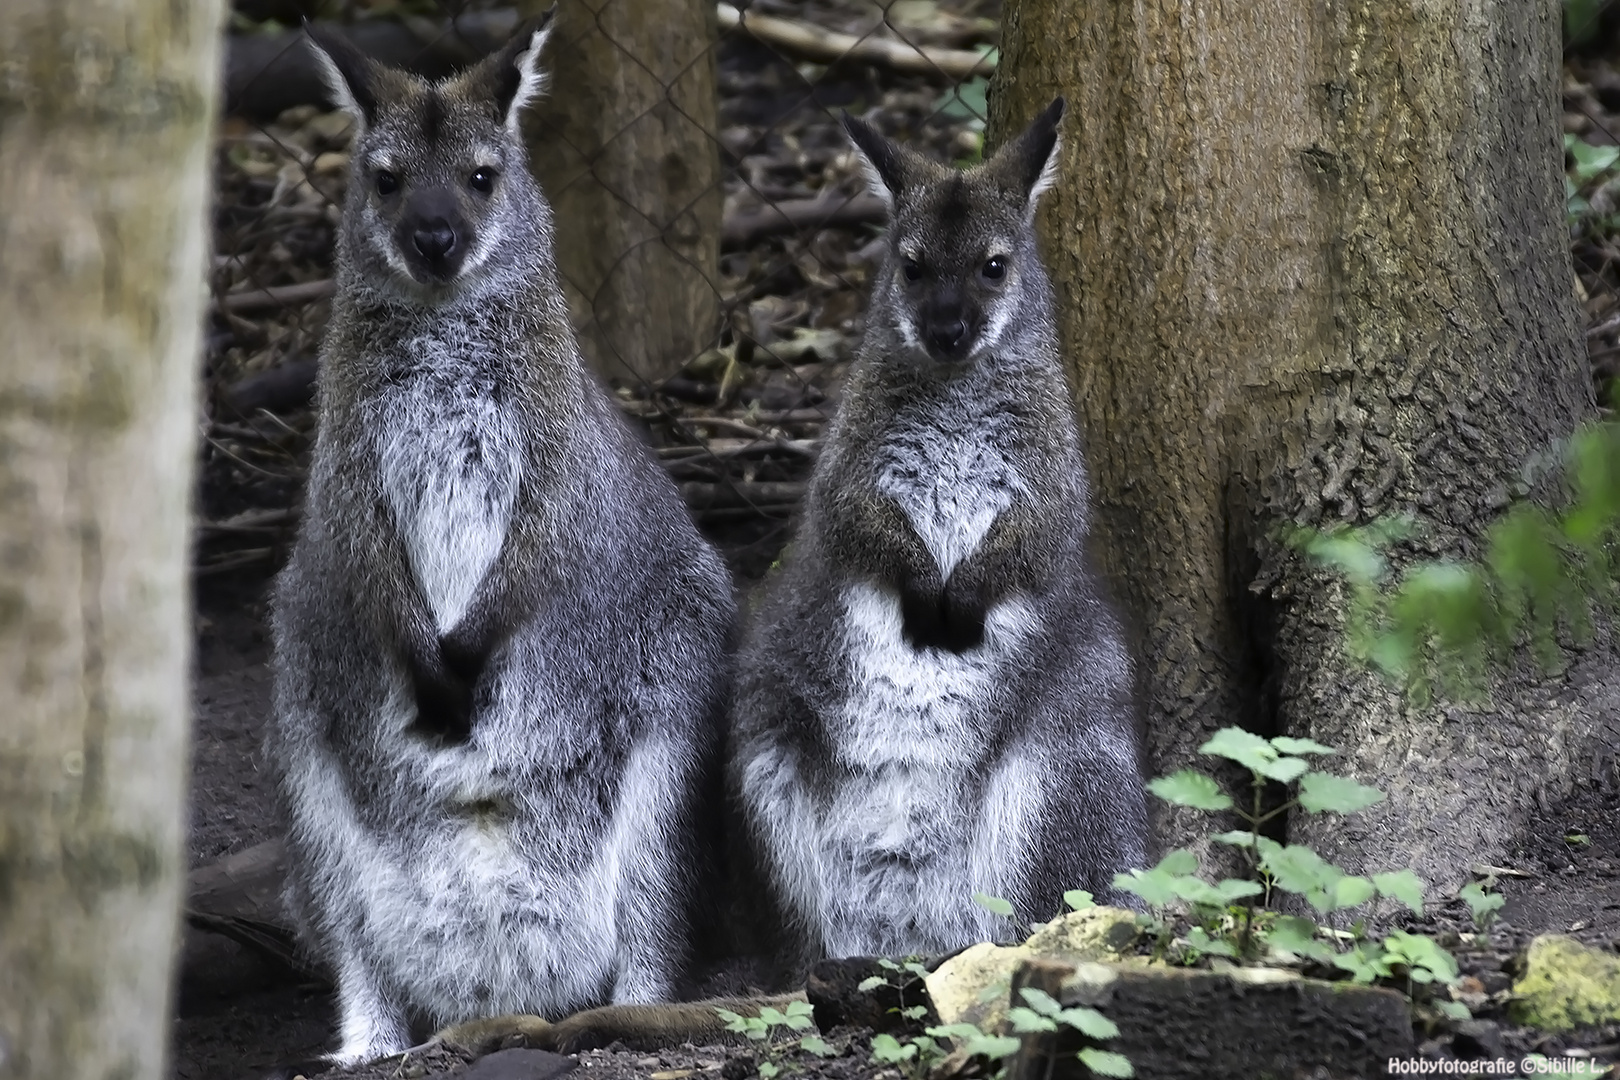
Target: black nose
{"x": 435, "y": 240}
{"x": 946, "y": 334}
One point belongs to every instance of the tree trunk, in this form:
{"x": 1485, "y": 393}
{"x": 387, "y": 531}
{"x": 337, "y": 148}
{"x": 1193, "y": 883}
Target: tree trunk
{"x": 1314, "y": 270}
{"x": 106, "y": 110}
{"x": 625, "y": 148}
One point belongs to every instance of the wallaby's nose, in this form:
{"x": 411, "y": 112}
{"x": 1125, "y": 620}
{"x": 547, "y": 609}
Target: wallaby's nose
{"x": 435, "y": 240}
{"x": 947, "y": 333}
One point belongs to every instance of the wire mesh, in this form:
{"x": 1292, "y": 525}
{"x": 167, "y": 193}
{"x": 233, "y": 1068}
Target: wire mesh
{"x": 737, "y": 415}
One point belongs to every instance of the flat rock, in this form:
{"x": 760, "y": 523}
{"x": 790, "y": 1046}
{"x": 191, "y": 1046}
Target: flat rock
{"x": 516, "y": 1065}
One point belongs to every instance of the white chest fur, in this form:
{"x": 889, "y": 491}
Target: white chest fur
{"x": 950, "y": 476}
{"x": 451, "y": 463}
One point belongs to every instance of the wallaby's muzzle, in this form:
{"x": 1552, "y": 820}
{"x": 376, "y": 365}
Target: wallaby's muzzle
{"x": 434, "y": 237}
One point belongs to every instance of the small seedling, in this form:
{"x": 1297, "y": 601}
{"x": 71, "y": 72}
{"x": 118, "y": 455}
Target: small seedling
{"x": 764, "y": 1030}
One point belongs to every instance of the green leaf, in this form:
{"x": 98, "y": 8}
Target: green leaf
{"x": 886, "y": 964}
{"x": 1199, "y": 940}
{"x": 916, "y": 969}
{"x": 800, "y": 1008}
{"x": 818, "y": 1046}
{"x": 867, "y": 985}
{"x": 1324, "y": 793}
{"x": 1027, "y": 1020}
{"x": 1040, "y": 1001}
{"x": 1285, "y": 770}
{"x": 1178, "y": 861}
{"x": 1079, "y": 899}
{"x": 1243, "y": 747}
{"x": 768, "y": 1069}
{"x": 1189, "y": 787}
{"x": 1237, "y": 838}
{"x": 1288, "y": 745}
{"x": 1296, "y": 935}
{"x": 1480, "y": 903}
{"x": 1349, "y": 892}
{"x": 1421, "y": 954}
{"x": 1364, "y": 963}
{"x": 1107, "y": 1063}
{"x": 1454, "y": 1009}
{"x": 994, "y": 1047}
{"x": 1153, "y": 886}
{"x": 914, "y": 1012}
{"x": 1298, "y": 869}
{"x": 1237, "y": 888}
{"x": 1402, "y": 886}
{"x": 993, "y": 904}
{"x": 888, "y": 1050}
{"x": 955, "y": 1031}
{"x": 772, "y": 1016}
{"x": 1089, "y": 1022}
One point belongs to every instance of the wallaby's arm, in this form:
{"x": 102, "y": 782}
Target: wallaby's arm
{"x": 641, "y": 1027}
{"x": 870, "y": 534}
{"x": 1015, "y": 554}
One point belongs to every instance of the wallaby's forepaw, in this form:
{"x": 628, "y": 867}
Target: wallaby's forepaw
{"x": 492, "y": 1033}
{"x": 951, "y": 618}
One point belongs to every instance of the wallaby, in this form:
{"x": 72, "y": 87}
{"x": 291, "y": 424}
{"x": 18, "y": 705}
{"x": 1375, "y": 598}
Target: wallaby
{"x": 501, "y": 645}
{"x": 934, "y": 696}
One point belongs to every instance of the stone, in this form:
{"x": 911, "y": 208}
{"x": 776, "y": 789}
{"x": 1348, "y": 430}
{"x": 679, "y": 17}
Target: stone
{"x": 519, "y": 1065}
{"x": 1566, "y": 985}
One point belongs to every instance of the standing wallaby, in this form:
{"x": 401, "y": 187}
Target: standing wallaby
{"x": 935, "y": 698}
{"x": 501, "y": 646}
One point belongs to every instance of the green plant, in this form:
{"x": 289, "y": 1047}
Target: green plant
{"x": 1590, "y": 168}
{"x": 1229, "y": 924}
{"x": 1543, "y": 571}
{"x": 1041, "y": 1012}
{"x": 769, "y": 1027}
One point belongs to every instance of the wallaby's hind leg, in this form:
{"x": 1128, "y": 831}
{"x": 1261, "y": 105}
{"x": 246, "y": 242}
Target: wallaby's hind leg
{"x": 372, "y": 1026}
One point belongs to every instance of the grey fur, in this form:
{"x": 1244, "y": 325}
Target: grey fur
{"x": 500, "y": 642}
{"x": 935, "y": 694}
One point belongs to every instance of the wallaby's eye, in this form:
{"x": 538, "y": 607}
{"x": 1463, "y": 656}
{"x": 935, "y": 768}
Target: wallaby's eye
{"x": 994, "y": 268}
{"x": 387, "y": 182}
{"x": 912, "y": 271}
{"x": 482, "y": 181}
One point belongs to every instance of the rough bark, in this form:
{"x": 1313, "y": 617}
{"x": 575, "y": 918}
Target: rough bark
{"x": 625, "y": 149}
{"x": 106, "y": 112}
{"x": 1314, "y": 271}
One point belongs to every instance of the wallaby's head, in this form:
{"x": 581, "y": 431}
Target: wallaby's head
{"x": 438, "y": 174}
{"x": 962, "y": 243}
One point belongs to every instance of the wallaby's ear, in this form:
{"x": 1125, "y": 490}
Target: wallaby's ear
{"x": 882, "y": 160}
{"x": 351, "y": 75}
{"x": 511, "y": 76}
{"x": 1028, "y": 165}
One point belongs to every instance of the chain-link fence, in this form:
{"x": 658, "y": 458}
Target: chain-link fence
{"x": 713, "y": 200}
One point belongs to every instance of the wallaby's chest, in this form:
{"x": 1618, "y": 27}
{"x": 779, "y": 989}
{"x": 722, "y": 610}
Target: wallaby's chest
{"x": 450, "y": 455}
{"x": 949, "y": 470}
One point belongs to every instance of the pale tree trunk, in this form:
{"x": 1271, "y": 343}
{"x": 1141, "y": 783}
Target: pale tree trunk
{"x": 1313, "y": 270}
{"x": 106, "y": 110}
{"x": 625, "y": 148}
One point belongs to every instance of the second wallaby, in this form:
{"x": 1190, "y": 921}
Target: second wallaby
{"x": 935, "y": 695}
{"x": 501, "y": 645}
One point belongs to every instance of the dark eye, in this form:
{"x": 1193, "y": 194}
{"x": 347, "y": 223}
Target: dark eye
{"x": 387, "y": 182}
{"x": 912, "y": 271}
{"x": 994, "y": 269}
{"x": 482, "y": 181}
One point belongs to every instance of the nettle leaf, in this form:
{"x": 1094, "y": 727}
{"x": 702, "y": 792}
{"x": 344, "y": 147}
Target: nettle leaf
{"x": 1237, "y": 888}
{"x": 768, "y": 1069}
{"x": 1197, "y": 891}
{"x": 993, "y": 904}
{"x": 1285, "y": 770}
{"x": 1325, "y": 793}
{"x": 1402, "y": 886}
{"x": 771, "y": 1016}
{"x": 1040, "y": 1001}
{"x": 914, "y": 1012}
{"x": 1297, "y": 869}
{"x": 818, "y": 1046}
{"x": 1089, "y": 1022}
{"x": 1349, "y": 892}
{"x": 867, "y": 985}
{"x": 1365, "y": 964}
{"x": 1480, "y": 903}
{"x": 1293, "y": 934}
{"x": 1153, "y": 886}
{"x": 1178, "y": 861}
{"x": 1421, "y": 954}
{"x": 1189, "y": 787}
{"x": 1107, "y": 1063}
{"x": 1288, "y": 745}
{"x": 888, "y": 1050}
{"x": 1027, "y": 1020}
{"x": 1237, "y": 838}
{"x": 1243, "y": 747}
{"x": 916, "y": 969}
{"x": 1198, "y": 939}
{"x": 1456, "y": 1010}
{"x": 1079, "y": 899}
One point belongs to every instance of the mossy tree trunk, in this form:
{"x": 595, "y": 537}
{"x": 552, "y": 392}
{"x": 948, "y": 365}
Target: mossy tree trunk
{"x": 625, "y": 147}
{"x": 106, "y": 110}
{"x": 1313, "y": 270}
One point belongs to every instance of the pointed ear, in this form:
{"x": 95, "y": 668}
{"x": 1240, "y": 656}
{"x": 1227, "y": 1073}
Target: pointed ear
{"x": 511, "y": 76}
{"x": 1028, "y": 166}
{"x": 881, "y": 160}
{"x": 351, "y": 75}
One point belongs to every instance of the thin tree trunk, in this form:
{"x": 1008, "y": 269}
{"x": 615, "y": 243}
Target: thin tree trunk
{"x": 106, "y": 113}
{"x": 625, "y": 148}
{"x": 1314, "y": 271}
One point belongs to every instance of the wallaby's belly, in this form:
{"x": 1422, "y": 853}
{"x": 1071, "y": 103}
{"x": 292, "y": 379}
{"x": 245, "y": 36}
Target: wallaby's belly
{"x": 916, "y": 821}
{"x": 952, "y": 481}
{"x": 451, "y": 464}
